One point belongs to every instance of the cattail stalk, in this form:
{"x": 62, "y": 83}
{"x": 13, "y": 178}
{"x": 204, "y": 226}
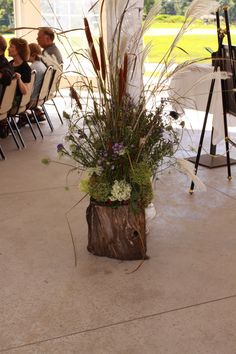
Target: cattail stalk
{"x": 75, "y": 96}
{"x": 121, "y": 84}
{"x": 88, "y": 32}
{"x": 89, "y": 37}
{"x": 102, "y": 58}
{"x": 125, "y": 74}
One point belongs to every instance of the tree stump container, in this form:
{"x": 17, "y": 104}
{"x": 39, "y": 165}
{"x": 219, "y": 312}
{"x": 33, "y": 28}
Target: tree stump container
{"x": 116, "y": 232}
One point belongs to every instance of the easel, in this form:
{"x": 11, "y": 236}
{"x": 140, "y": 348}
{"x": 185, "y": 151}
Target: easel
{"x": 211, "y": 160}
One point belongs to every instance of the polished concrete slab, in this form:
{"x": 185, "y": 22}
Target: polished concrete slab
{"x": 181, "y": 300}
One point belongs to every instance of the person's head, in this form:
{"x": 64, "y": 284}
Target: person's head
{"x": 19, "y": 47}
{"x": 3, "y": 44}
{"x": 35, "y": 52}
{"x": 45, "y": 37}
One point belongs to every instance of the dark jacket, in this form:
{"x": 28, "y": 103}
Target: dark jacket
{"x": 7, "y": 72}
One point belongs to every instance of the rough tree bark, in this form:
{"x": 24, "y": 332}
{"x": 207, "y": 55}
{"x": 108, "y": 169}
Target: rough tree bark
{"x": 116, "y": 232}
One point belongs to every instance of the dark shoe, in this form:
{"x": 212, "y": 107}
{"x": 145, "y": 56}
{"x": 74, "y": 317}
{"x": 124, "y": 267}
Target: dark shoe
{"x": 40, "y": 116}
{"x": 22, "y": 121}
{"x": 41, "y": 119}
{"x": 4, "y": 131}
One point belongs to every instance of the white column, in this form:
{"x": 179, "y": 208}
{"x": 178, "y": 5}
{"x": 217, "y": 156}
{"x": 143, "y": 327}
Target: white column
{"x": 27, "y": 14}
{"x": 131, "y": 27}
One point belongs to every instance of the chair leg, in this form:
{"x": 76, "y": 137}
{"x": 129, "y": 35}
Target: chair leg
{"x": 48, "y": 118}
{"x": 13, "y": 134}
{"x": 18, "y": 131}
{"x": 2, "y": 153}
{"x": 57, "y": 111}
{"x": 37, "y": 122}
{"x": 30, "y": 125}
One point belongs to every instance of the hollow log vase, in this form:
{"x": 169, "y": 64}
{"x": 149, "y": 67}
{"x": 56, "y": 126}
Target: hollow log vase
{"x": 116, "y": 232}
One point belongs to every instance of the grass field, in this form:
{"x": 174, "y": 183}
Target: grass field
{"x": 193, "y": 44}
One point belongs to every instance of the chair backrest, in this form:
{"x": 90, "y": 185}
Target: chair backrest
{"x": 55, "y": 81}
{"x": 25, "y": 99}
{"x": 8, "y": 98}
{"x": 45, "y": 86}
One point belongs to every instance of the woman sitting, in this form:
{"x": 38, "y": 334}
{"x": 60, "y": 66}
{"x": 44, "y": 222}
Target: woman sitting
{"x": 19, "y": 51}
{"x": 6, "y": 75}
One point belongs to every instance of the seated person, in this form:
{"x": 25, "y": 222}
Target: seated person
{"x": 38, "y": 66}
{"x": 6, "y": 75}
{"x": 51, "y": 54}
{"x": 19, "y": 51}
{"x": 6, "y": 70}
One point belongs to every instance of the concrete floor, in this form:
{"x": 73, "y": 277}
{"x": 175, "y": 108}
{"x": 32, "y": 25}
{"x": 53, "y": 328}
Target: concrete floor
{"x": 180, "y": 301}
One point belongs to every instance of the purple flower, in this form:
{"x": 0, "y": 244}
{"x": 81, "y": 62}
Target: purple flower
{"x": 117, "y": 148}
{"x": 60, "y": 147}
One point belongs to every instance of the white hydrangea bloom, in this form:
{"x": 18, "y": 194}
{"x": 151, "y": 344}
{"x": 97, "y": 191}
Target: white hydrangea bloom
{"x": 121, "y": 190}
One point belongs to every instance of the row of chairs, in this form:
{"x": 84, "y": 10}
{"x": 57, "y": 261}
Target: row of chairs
{"x": 47, "y": 93}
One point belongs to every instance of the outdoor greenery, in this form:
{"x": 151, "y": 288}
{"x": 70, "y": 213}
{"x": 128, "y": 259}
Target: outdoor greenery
{"x": 6, "y": 14}
{"x": 178, "y": 7}
{"x": 162, "y": 43}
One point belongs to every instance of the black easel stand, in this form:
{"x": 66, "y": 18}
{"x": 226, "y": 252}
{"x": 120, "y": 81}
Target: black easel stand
{"x": 212, "y": 160}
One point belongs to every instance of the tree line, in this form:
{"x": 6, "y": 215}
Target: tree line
{"x": 178, "y": 7}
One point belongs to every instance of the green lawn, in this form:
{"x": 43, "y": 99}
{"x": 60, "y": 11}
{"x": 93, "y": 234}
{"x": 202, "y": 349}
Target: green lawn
{"x": 193, "y": 44}
{"x": 161, "y": 44}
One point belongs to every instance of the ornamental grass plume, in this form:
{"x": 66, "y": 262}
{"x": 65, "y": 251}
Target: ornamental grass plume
{"x": 122, "y": 136}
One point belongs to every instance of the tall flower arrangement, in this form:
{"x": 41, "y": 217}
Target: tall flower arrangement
{"x": 121, "y": 140}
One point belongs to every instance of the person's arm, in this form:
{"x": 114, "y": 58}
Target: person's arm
{"x": 22, "y": 86}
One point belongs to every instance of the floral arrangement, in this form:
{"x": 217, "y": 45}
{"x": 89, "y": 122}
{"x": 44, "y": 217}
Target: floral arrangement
{"x": 118, "y": 138}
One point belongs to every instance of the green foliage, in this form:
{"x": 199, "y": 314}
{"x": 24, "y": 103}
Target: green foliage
{"x": 170, "y": 18}
{"x": 183, "y": 6}
{"x": 148, "y": 5}
{"x": 98, "y": 188}
{"x": 173, "y": 7}
{"x": 142, "y": 193}
{"x": 168, "y": 7}
{"x": 141, "y": 173}
{"x": 6, "y": 14}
